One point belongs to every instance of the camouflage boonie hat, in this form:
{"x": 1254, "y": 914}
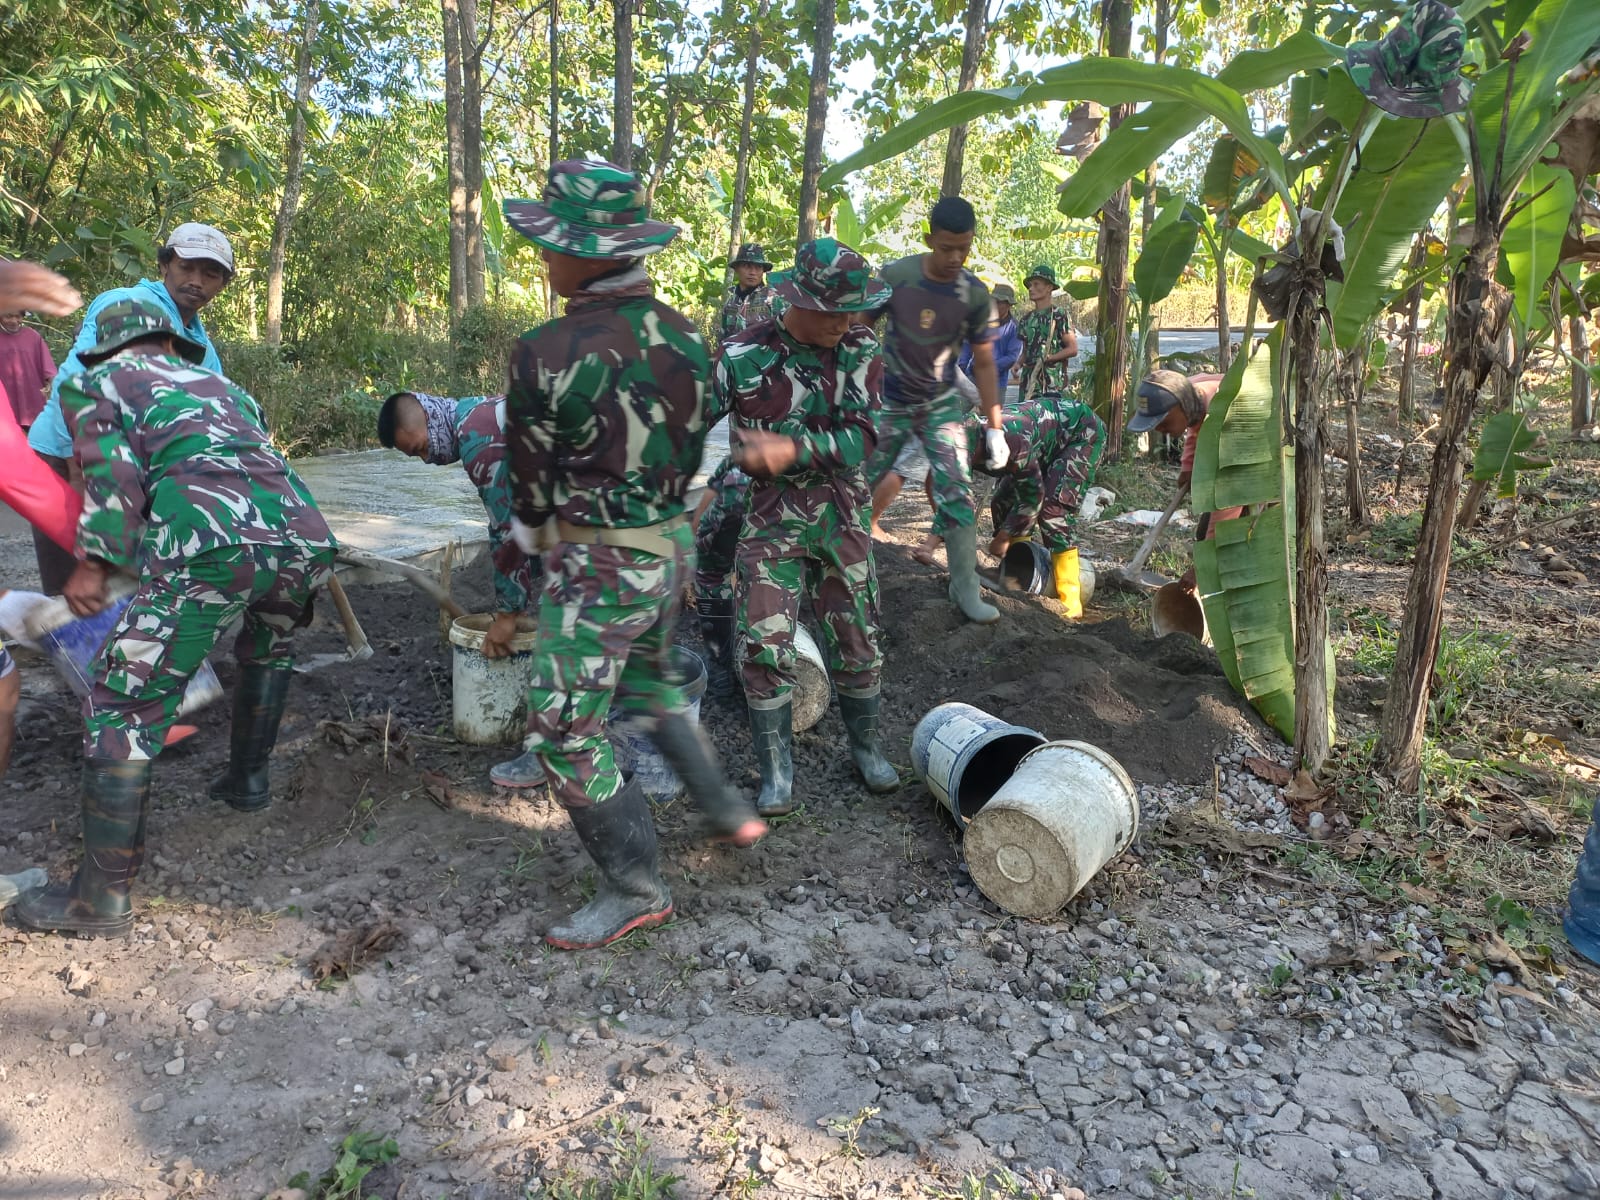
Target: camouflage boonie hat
{"x": 1414, "y": 70}
{"x": 1003, "y": 293}
{"x": 828, "y": 276}
{"x": 752, "y": 254}
{"x": 129, "y": 320}
{"x": 1045, "y": 272}
{"x": 590, "y": 209}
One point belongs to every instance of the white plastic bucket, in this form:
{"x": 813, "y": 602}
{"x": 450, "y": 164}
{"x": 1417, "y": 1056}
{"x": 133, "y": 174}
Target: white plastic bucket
{"x": 489, "y": 696}
{"x": 1175, "y": 609}
{"x": 1027, "y": 566}
{"x": 635, "y": 750}
{"x": 964, "y": 755}
{"x": 1067, "y": 810}
{"x": 812, "y": 687}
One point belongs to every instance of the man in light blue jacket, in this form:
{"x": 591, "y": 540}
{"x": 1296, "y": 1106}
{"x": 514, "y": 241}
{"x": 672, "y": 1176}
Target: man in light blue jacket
{"x": 196, "y": 264}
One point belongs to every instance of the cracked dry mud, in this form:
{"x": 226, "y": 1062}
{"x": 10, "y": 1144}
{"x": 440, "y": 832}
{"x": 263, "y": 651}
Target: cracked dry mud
{"x": 837, "y": 1012}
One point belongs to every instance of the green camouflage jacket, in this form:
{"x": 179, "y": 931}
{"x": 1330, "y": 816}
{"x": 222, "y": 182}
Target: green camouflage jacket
{"x": 606, "y": 414}
{"x": 1038, "y": 432}
{"x": 176, "y": 461}
{"x": 1043, "y": 331}
{"x": 740, "y": 312}
{"x": 824, "y": 399}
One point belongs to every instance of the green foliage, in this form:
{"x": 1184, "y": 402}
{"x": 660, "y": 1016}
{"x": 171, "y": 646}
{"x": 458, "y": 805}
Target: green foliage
{"x": 1468, "y": 667}
{"x": 1531, "y": 247}
{"x": 359, "y": 1154}
{"x": 1164, "y": 258}
{"x": 1502, "y": 451}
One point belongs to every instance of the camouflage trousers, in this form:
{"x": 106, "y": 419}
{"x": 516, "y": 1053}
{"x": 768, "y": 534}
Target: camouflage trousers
{"x": 173, "y": 622}
{"x": 1065, "y": 481}
{"x": 606, "y": 618}
{"x": 813, "y": 541}
{"x": 941, "y": 428}
{"x": 716, "y": 538}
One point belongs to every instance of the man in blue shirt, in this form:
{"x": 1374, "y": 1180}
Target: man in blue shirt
{"x": 196, "y": 264}
{"x": 1006, "y": 341}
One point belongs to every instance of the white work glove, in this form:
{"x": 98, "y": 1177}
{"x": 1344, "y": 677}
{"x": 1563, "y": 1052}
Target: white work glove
{"x": 999, "y": 452}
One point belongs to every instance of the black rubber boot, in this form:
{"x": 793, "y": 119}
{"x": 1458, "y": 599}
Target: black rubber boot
{"x": 860, "y": 713}
{"x": 728, "y": 816}
{"x": 772, "y": 733}
{"x": 116, "y": 801}
{"x": 716, "y": 630}
{"x": 629, "y": 893}
{"x": 258, "y": 703}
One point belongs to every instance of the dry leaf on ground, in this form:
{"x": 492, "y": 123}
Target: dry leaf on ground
{"x": 1460, "y": 1022}
{"x": 346, "y": 953}
{"x": 1265, "y": 769}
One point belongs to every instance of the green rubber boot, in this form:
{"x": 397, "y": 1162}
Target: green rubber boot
{"x": 629, "y": 894}
{"x": 728, "y": 816}
{"x": 772, "y": 732}
{"x": 116, "y": 801}
{"x": 258, "y": 703}
{"x": 860, "y": 712}
{"x": 961, "y": 549}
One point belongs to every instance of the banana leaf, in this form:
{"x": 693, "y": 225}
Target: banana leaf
{"x": 1500, "y": 451}
{"x": 1533, "y": 238}
{"x": 1167, "y": 251}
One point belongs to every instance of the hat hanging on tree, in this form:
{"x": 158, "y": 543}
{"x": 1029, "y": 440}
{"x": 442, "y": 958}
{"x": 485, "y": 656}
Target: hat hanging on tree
{"x": 1414, "y": 70}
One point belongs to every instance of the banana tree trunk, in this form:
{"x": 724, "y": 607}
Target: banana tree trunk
{"x": 1224, "y": 324}
{"x": 1111, "y": 318}
{"x": 1355, "y": 486}
{"x": 1582, "y": 395}
{"x": 1406, "y": 404}
{"x": 1311, "y": 741}
{"x": 1476, "y": 318}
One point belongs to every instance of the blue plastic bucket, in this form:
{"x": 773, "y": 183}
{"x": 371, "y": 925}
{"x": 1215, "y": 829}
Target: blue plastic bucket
{"x": 631, "y": 743}
{"x": 965, "y": 755}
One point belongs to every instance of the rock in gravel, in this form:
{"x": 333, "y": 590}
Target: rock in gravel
{"x": 174, "y": 1067}
{"x": 77, "y": 1050}
{"x": 152, "y": 1103}
{"x": 199, "y": 1010}
{"x": 59, "y": 1034}
{"x": 474, "y": 1095}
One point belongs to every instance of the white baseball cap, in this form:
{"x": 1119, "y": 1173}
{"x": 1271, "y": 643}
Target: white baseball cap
{"x": 193, "y": 240}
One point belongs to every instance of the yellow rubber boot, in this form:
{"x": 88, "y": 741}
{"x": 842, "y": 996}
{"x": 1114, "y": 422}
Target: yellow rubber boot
{"x": 1064, "y": 563}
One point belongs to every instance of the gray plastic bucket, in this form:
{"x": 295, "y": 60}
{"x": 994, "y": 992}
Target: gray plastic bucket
{"x": 1027, "y": 568}
{"x": 1066, "y": 811}
{"x": 635, "y": 750}
{"x": 965, "y": 755}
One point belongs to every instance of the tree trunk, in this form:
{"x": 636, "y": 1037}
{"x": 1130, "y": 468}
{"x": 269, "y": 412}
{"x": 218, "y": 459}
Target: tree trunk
{"x": 1406, "y": 405}
{"x": 455, "y": 158}
{"x": 1224, "y": 322}
{"x": 622, "y": 95}
{"x": 1355, "y": 388}
{"x": 472, "y": 148}
{"x": 1582, "y": 396}
{"x": 1311, "y": 553}
{"x": 741, "y": 170}
{"x": 955, "y": 149}
{"x": 1147, "y": 215}
{"x": 816, "y": 119}
{"x": 1476, "y": 318}
{"x": 1111, "y": 321}
{"x": 555, "y": 122}
{"x": 294, "y": 166}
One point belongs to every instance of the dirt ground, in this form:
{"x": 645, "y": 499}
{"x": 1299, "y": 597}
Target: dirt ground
{"x": 836, "y": 1012}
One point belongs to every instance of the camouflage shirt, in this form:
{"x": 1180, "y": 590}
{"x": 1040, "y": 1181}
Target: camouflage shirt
{"x": 824, "y": 399}
{"x": 1043, "y": 331}
{"x": 176, "y": 461}
{"x": 1038, "y": 432}
{"x": 741, "y": 309}
{"x": 606, "y": 414}
{"x": 928, "y": 322}
{"x": 481, "y": 442}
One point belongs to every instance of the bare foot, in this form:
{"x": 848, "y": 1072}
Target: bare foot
{"x": 924, "y": 553}
{"x": 878, "y": 535}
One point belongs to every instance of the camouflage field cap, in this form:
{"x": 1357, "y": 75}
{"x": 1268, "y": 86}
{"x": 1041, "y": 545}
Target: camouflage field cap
{"x": 1414, "y": 70}
{"x": 1004, "y": 293}
{"x": 1045, "y": 272}
{"x": 129, "y": 320}
{"x": 828, "y": 276}
{"x": 590, "y": 209}
{"x": 751, "y": 253}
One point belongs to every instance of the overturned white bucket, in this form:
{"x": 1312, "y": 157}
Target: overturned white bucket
{"x": 1068, "y": 809}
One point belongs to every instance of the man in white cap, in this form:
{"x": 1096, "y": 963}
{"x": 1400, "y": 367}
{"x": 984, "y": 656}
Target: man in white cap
{"x": 195, "y": 265}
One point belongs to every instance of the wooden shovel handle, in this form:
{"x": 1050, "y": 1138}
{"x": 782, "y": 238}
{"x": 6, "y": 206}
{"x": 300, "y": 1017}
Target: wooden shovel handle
{"x": 353, "y": 632}
{"x": 415, "y": 576}
{"x": 1137, "y": 563}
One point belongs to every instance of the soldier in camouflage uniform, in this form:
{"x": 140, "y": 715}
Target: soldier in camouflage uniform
{"x": 183, "y": 487}
{"x": 935, "y": 304}
{"x": 1047, "y": 338}
{"x": 441, "y": 430}
{"x": 605, "y": 423}
{"x": 749, "y": 300}
{"x": 1055, "y": 444}
{"x": 801, "y": 391}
